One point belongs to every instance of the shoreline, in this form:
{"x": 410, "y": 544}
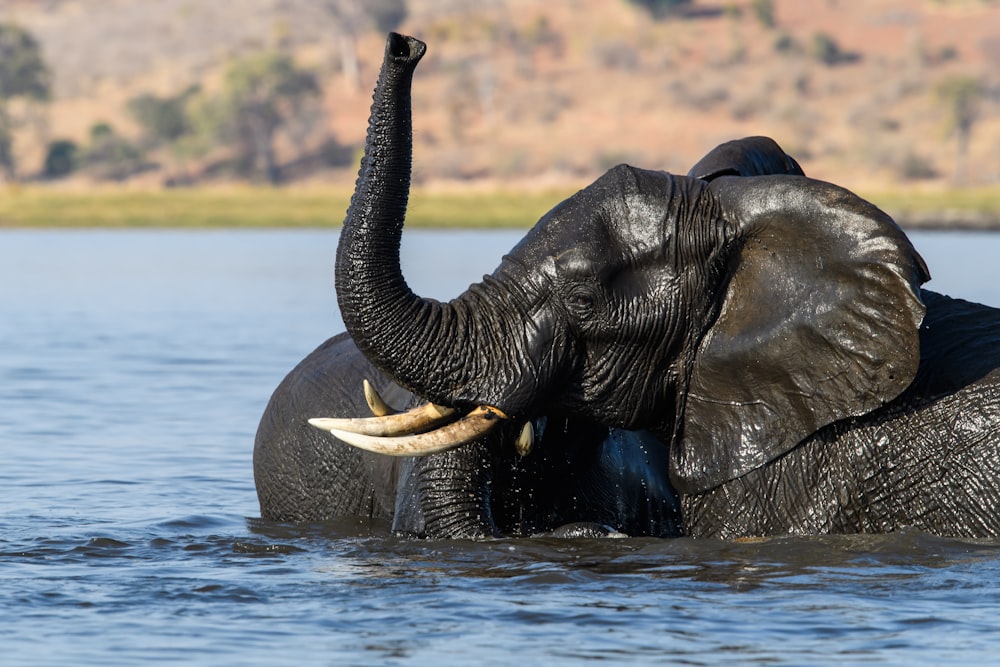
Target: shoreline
{"x": 245, "y": 207}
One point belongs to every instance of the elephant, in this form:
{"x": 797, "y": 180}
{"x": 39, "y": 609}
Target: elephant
{"x": 742, "y": 351}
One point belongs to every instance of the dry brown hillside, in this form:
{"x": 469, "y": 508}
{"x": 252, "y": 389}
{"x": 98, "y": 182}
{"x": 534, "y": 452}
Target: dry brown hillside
{"x": 536, "y": 92}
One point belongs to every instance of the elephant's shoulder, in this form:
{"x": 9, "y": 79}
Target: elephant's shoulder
{"x": 339, "y": 346}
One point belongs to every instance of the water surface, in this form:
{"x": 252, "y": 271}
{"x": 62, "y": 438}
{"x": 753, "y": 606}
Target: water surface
{"x": 134, "y": 366}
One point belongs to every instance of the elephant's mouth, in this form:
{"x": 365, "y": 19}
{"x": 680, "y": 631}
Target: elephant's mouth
{"x": 426, "y": 429}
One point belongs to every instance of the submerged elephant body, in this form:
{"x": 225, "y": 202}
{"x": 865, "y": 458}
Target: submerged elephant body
{"x": 857, "y": 475}
{"x": 740, "y": 351}
{"x": 577, "y": 472}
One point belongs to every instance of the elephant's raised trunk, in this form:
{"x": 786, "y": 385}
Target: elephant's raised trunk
{"x": 426, "y": 346}
{"x": 371, "y": 290}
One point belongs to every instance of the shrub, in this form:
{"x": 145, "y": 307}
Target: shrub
{"x": 764, "y": 11}
{"x": 914, "y": 167}
{"x": 826, "y": 50}
{"x": 60, "y": 158}
{"x": 660, "y": 8}
{"x": 109, "y": 156}
{"x": 785, "y": 43}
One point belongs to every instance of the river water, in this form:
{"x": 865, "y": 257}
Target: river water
{"x": 134, "y": 366}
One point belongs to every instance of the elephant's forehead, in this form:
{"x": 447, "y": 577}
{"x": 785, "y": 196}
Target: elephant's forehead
{"x": 645, "y": 215}
{"x": 627, "y": 215}
{"x": 643, "y": 225}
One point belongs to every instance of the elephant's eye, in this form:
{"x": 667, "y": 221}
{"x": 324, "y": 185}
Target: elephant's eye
{"x": 581, "y": 300}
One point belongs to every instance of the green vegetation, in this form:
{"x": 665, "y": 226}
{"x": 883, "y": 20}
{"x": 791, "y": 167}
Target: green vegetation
{"x": 504, "y": 208}
{"x": 826, "y": 50}
{"x": 785, "y": 43}
{"x": 263, "y": 95}
{"x": 257, "y": 207}
{"x": 60, "y": 158}
{"x": 764, "y": 11}
{"x": 163, "y": 120}
{"x": 110, "y": 156}
{"x": 961, "y": 95}
{"x": 24, "y": 75}
{"x": 659, "y": 9}
{"x": 353, "y": 19}
{"x": 924, "y": 203}
{"x": 245, "y": 207}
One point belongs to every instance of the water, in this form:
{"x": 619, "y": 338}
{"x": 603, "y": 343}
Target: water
{"x": 133, "y": 369}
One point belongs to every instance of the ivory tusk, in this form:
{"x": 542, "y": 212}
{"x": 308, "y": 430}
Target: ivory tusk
{"x": 375, "y": 403}
{"x": 421, "y": 418}
{"x": 466, "y": 429}
{"x": 525, "y": 440}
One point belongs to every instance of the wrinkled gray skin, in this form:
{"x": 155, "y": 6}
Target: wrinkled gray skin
{"x": 741, "y": 351}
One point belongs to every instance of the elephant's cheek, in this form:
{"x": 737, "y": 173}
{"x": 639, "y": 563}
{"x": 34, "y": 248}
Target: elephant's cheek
{"x": 628, "y": 396}
{"x": 540, "y": 362}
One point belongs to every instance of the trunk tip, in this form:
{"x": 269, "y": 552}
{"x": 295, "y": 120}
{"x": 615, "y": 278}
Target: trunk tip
{"x": 403, "y": 47}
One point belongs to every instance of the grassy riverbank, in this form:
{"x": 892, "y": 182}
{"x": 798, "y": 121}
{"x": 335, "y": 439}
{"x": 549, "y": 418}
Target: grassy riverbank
{"x": 238, "y": 207}
{"x": 256, "y": 208}
{"x": 965, "y": 208}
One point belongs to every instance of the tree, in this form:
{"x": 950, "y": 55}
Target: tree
{"x": 355, "y": 17}
{"x": 164, "y": 120}
{"x": 23, "y": 74}
{"x": 166, "y": 123}
{"x": 961, "y": 95}
{"x": 60, "y": 158}
{"x": 660, "y": 8}
{"x": 262, "y": 95}
{"x": 764, "y": 11}
{"x": 110, "y": 156}
{"x": 826, "y": 50}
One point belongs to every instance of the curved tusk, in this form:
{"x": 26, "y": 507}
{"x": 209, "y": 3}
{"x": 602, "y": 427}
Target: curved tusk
{"x": 466, "y": 429}
{"x": 525, "y": 440}
{"x": 375, "y": 403}
{"x": 420, "y": 418}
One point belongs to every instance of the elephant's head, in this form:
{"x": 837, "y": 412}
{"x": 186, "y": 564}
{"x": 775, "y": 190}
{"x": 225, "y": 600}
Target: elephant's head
{"x": 733, "y": 315}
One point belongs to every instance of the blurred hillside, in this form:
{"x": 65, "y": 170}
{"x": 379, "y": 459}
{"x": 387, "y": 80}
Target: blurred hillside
{"x": 534, "y": 93}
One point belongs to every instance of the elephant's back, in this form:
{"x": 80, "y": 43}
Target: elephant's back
{"x": 959, "y": 347}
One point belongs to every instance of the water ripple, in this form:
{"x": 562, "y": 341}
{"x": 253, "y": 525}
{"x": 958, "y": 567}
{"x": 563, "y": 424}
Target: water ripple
{"x": 129, "y": 396}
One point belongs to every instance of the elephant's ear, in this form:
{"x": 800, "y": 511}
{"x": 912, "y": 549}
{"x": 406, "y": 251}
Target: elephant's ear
{"x": 750, "y": 156}
{"x": 818, "y": 322}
